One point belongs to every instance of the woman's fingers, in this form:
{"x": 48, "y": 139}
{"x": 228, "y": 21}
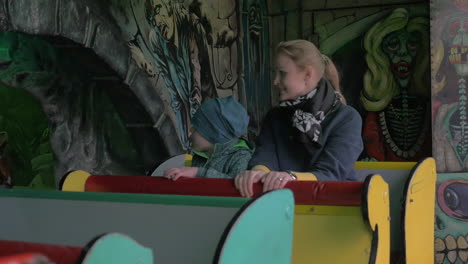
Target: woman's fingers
{"x": 270, "y": 181}
{"x": 275, "y": 180}
{"x": 279, "y": 182}
{"x": 266, "y": 181}
{"x": 245, "y": 180}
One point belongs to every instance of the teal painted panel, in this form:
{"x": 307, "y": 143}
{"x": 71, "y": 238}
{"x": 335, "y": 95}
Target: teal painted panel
{"x": 262, "y": 232}
{"x": 117, "y": 249}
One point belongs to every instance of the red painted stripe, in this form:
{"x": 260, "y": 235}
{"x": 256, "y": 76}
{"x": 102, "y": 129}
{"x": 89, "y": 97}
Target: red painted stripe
{"x": 20, "y": 258}
{"x": 305, "y": 192}
{"x": 19, "y": 251}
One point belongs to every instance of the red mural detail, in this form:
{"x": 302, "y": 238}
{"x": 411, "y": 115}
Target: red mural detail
{"x": 462, "y": 5}
{"x": 455, "y": 26}
{"x": 376, "y": 147}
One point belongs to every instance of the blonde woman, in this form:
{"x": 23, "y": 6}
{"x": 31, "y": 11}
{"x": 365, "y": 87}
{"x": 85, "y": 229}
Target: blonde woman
{"x": 312, "y": 134}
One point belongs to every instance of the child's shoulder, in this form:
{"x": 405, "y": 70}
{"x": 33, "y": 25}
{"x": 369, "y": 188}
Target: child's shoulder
{"x": 242, "y": 147}
{"x": 243, "y": 143}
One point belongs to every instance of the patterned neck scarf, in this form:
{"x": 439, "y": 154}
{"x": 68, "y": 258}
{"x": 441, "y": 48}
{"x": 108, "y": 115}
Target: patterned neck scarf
{"x": 311, "y": 109}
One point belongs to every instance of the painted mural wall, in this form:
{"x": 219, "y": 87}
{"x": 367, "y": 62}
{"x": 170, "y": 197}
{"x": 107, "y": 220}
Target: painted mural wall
{"x": 194, "y": 50}
{"x": 451, "y": 228}
{"x": 449, "y": 43}
{"x": 190, "y": 51}
{"x": 56, "y": 115}
{"x": 173, "y": 55}
{"x": 449, "y": 85}
{"x": 169, "y": 56}
{"x": 25, "y": 150}
{"x": 256, "y": 49}
{"x": 381, "y": 49}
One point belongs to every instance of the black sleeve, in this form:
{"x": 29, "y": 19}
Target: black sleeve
{"x": 265, "y": 149}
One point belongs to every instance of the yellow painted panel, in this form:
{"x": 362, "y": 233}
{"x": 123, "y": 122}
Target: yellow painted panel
{"x": 378, "y": 206}
{"x": 381, "y": 165}
{"x": 419, "y": 214}
{"x": 75, "y": 181}
{"x": 341, "y": 238}
{"x": 328, "y": 210}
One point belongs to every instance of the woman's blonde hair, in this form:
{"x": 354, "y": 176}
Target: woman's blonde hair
{"x": 305, "y": 53}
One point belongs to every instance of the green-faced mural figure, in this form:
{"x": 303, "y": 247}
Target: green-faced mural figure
{"x": 401, "y": 48}
{"x": 396, "y": 90}
{"x": 451, "y": 225}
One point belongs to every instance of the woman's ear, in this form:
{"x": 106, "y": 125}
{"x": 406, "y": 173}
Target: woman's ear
{"x": 311, "y": 75}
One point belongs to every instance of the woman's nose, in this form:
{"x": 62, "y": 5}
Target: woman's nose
{"x": 276, "y": 80}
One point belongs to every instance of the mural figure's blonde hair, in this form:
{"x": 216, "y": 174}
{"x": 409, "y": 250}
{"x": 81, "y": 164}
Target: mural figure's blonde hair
{"x": 379, "y": 84}
{"x": 304, "y": 53}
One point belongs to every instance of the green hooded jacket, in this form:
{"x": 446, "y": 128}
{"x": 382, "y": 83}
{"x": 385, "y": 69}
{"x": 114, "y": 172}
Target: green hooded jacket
{"x": 226, "y": 161}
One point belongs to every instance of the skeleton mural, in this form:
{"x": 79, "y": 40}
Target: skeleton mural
{"x": 451, "y": 219}
{"x": 449, "y": 87}
{"x": 449, "y": 40}
{"x": 189, "y": 49}
{"x": 449, "y": 70}
{"x": 397, "y": 126}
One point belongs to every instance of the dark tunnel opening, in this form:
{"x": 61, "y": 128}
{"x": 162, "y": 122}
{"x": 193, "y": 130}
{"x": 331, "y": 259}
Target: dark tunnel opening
{"x": 93, "y": 116}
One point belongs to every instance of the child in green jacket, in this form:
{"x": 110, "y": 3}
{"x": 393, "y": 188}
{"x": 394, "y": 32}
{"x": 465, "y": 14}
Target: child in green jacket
{"x": 218, "y": 150}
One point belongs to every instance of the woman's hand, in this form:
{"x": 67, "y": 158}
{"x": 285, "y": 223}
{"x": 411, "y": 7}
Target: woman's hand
{"x": 175, "y": 173}
{"x": 244, "y": 181}
{"x": 275, "y": 180}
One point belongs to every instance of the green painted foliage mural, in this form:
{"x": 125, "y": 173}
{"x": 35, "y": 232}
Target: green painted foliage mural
{"x": 57, "y": 115}
{"x": 28, "y": 149}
